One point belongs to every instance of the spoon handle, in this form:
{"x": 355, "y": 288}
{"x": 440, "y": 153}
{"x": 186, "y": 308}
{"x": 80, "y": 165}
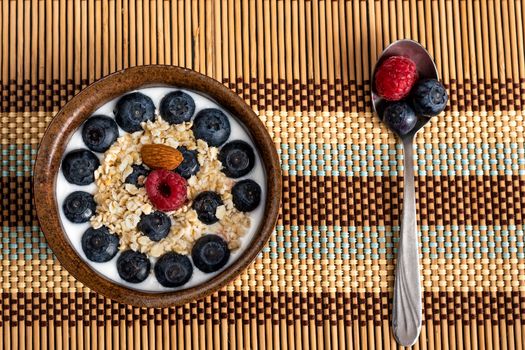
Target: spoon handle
{"x": 406, "y": 313}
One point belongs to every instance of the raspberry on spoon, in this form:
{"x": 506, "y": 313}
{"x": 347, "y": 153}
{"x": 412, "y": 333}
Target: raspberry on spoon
{"x": 395, "y": 77}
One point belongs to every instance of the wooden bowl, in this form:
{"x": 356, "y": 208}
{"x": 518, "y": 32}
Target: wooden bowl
{"x": 81, "y": 107}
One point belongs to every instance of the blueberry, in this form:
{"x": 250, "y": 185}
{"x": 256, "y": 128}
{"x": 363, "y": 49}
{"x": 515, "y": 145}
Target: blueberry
{"x": 237, "y": 158}
{"x": 205, "y": 204}
{"x": 133, "y": 109}
{"x": 212, "y": 126}
{"x": 400, "y": 117}
{"x": 173, "y": 270}
{"x": 429, "y": 98}
{"x": 79, "y": 167}
{"x": 79, "y": 207}
{"x": 177, "y": 107}
{"x": 133, "y": 266}
{"x": 99, "y": 245}
{"x": 138, "y": 175}
{"x": 99, "y": 132}
{"x": 246, "y": 195}
{"x": 155, "y": 225}
{"x": 190, "y": 165}
{"x": 210, "y": 253}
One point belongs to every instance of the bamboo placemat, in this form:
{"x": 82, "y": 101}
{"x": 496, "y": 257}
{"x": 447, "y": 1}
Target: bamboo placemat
{"x": 325, "y": 278}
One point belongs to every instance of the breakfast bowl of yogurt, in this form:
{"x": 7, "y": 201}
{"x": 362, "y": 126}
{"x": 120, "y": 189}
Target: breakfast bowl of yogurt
{"x": 156, "y": 186}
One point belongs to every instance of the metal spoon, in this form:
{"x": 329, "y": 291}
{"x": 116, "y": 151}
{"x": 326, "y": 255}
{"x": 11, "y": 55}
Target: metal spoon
{"x": 406, "y": 311}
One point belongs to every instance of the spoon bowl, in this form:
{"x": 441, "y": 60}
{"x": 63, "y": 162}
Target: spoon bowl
{"x": 407, "y": 308}
{"x": 426, "y": 69}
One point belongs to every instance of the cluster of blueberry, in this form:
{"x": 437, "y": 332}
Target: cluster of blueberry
{"x": 396, "y": 81}
{"x": 209, "y": 253}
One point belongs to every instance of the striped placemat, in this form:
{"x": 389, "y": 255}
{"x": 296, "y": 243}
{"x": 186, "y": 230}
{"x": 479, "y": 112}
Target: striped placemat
{"x": 325, "y": 278}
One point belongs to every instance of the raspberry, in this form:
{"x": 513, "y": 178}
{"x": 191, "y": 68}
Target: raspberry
{"x": 166, "y": 190}
{"x": 395, "y": 77}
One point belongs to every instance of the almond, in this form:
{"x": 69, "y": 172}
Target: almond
{"x": 161, "y": 156}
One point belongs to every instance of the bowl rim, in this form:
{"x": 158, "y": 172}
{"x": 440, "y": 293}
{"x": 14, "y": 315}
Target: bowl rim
{"x": 81, "y": 107}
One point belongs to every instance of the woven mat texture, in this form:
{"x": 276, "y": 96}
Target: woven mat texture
{"x": 325, "y": 278}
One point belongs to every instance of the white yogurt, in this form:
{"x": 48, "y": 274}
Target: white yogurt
{"x": 108, "y": 269}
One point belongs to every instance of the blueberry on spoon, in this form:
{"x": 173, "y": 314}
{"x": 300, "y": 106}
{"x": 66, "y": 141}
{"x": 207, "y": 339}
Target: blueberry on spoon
{"x": 173, "y": 270}
{"x": 99, "y": 132}
{"x": 210, "y": 253}
{"x": 132, "y": 110}
{"x": 133, "y": 266}
{"x": 79, "y": 167}
{"x": 429, "y": 97}
{"x": 79, "y": 207}
{"x": 99, "y": 245}
{"x": 400, "y": 117}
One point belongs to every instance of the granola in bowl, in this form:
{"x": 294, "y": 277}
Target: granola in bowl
{"x": 167, "y": 187}
{"x": 120, "y": 205}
